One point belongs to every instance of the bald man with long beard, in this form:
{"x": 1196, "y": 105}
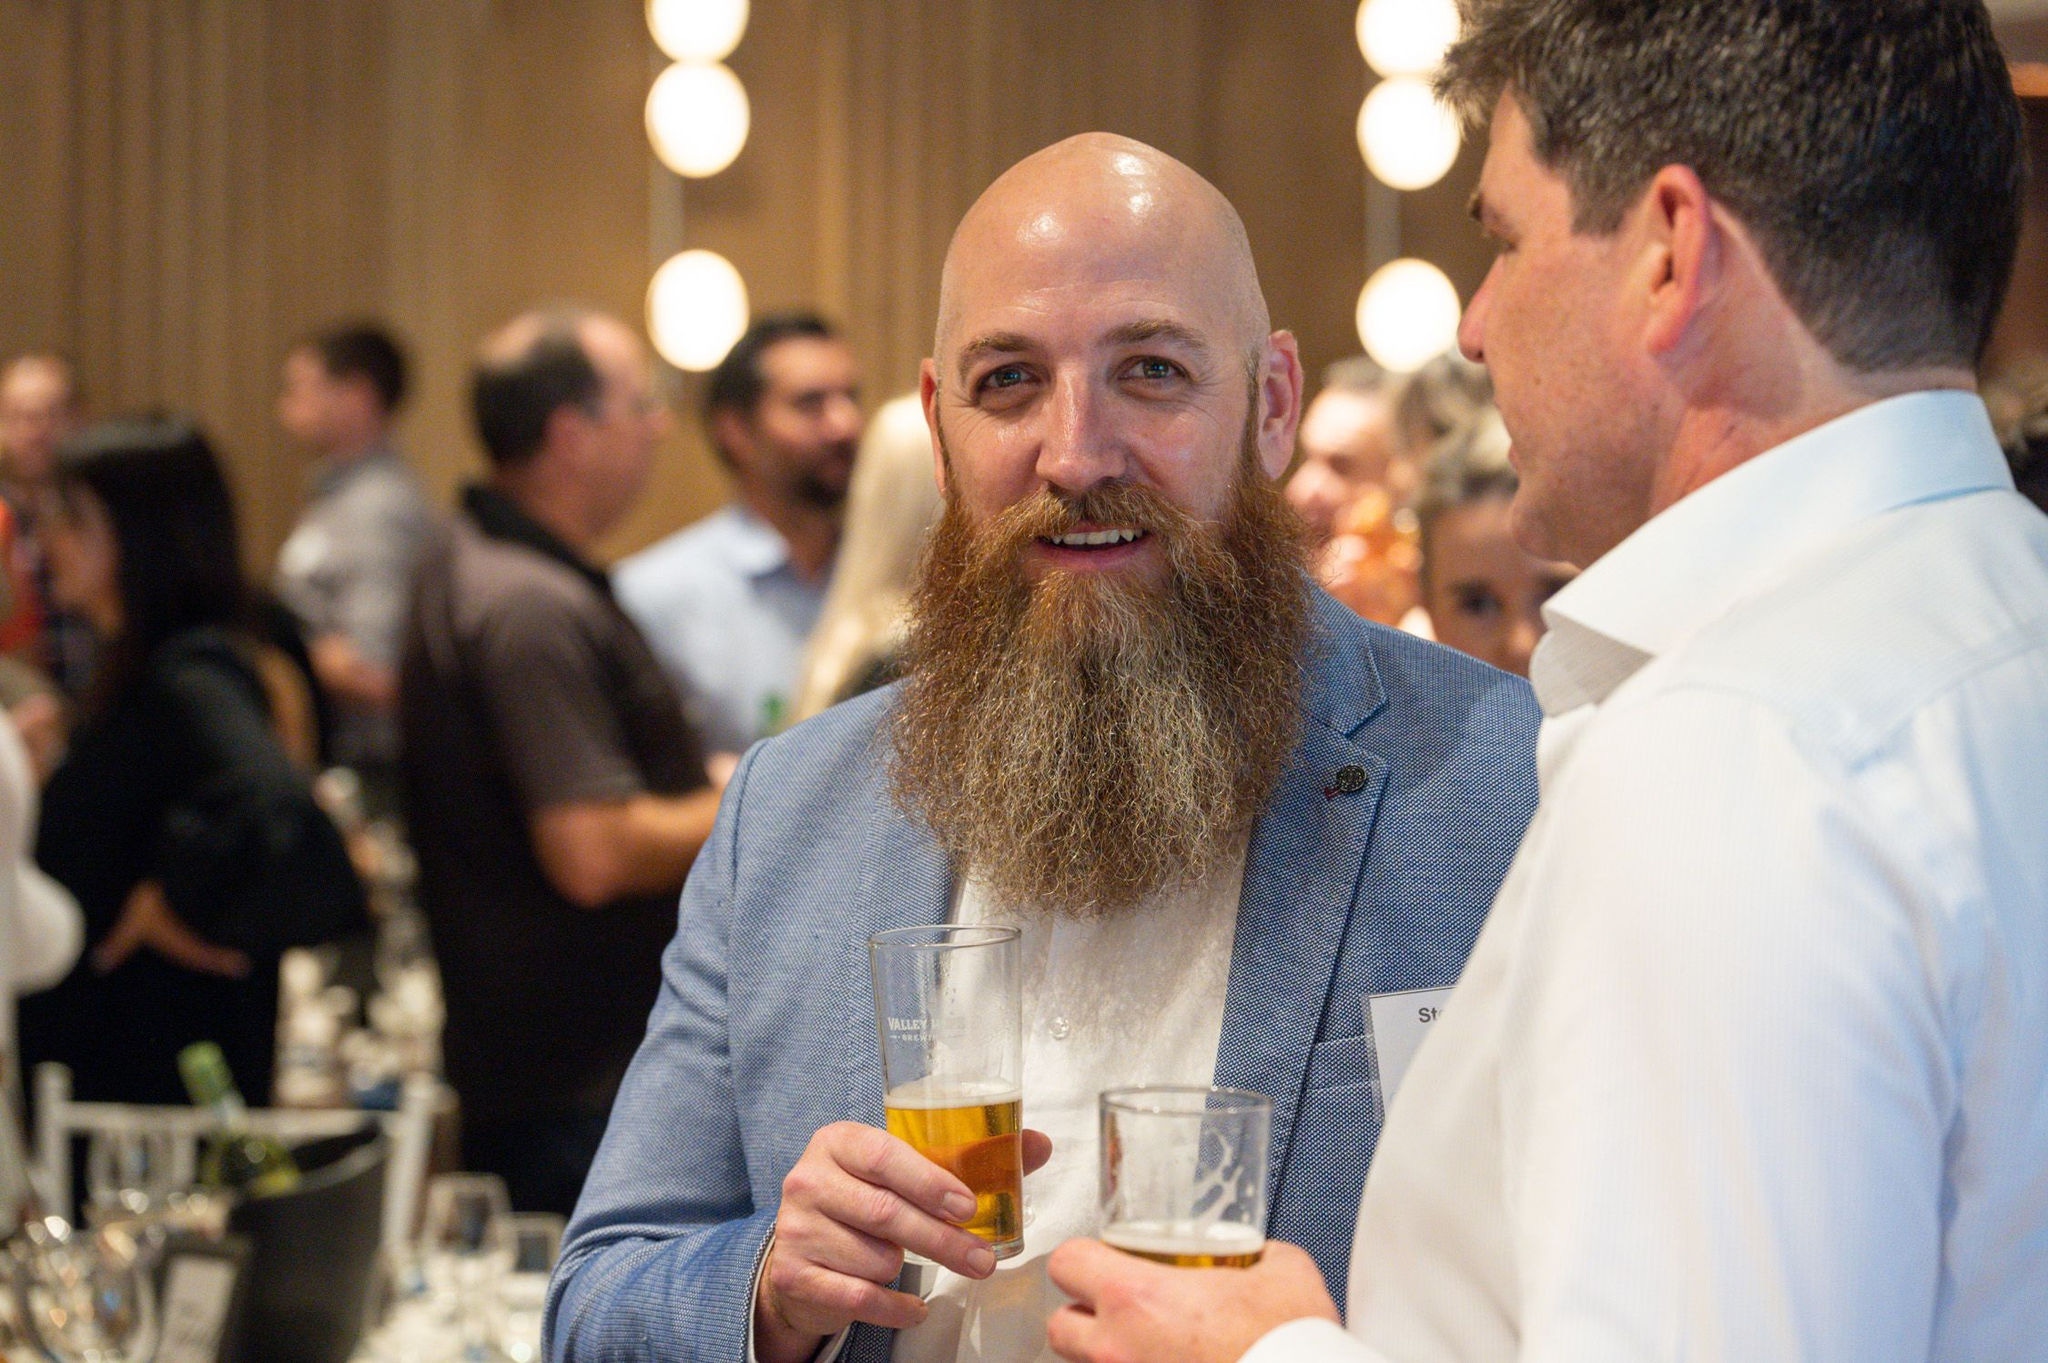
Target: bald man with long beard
{"x": 1226, "y": 814}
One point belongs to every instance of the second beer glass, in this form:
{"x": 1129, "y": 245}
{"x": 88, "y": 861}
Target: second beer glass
{"x": 949, "y": 1008}
{"x": 1184, "y": 1174}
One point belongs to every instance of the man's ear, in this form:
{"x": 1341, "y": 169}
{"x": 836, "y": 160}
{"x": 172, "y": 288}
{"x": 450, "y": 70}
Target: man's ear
{"x": 1685, "y": 256}
{"x": 928, "y": 396}
{"x": 568, "y": 430}
{"x": 730, "y": 434}
{"x": 1279, "y": 396}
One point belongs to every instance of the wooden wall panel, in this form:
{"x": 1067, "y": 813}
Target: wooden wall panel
{"x": 195, "y": 183}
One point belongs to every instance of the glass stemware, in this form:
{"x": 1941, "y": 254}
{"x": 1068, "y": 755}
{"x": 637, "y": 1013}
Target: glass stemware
{"x": 466, "y": 1253}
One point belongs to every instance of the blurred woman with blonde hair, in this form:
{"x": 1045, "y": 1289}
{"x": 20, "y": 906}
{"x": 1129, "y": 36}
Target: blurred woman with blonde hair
{"x": 892, "y": 502}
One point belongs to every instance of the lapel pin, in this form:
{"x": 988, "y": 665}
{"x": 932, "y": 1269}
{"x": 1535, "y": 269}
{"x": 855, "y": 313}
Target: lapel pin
{"x": 1350, "y": 780}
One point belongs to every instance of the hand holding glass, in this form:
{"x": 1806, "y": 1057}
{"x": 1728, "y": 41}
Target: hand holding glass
{"x": 948, "y": 1005}
{"x": 1184, "y": 1174}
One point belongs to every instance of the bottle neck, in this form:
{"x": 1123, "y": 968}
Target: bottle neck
{"x": 229, "y": 1109}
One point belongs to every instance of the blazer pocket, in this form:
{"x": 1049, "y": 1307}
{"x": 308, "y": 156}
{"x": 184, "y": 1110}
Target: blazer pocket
{"x": 1343, "y": 1062}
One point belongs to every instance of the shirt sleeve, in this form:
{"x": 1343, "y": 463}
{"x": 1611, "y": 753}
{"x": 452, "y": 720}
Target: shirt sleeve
{"x": 661, "y": 1258}
{"x": 245, "y": 856}
{"x": 46, "y": 929}
{"x": 827, "y": 1352}
{"x": 552, "y": 706}
{"x": 1726, "y": 1080}
{"x": 1311, "y": 1341}
{"x": 382, "y": 542}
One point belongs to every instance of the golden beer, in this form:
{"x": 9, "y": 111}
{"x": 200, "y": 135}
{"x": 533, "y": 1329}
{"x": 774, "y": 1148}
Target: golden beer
{"x": 975, "y": 1133}
{"x": 1181, "y": 1244}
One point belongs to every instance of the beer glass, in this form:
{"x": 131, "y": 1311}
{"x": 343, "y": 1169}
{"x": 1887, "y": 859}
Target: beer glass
{"x": 949, "y": 1008}
{"x": 1184, "y": 1174}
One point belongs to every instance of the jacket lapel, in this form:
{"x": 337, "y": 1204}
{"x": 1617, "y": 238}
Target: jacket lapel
{"x": 904, "y": 882}
{"x": 1302, "y": 874}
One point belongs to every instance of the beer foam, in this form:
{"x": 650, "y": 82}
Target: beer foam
{"x": 1185, "y": 1237}
{"x": 925, "y": 1093}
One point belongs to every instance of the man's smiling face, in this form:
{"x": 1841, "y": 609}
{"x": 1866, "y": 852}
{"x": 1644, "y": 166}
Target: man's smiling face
{"x": 1093, "y": 338}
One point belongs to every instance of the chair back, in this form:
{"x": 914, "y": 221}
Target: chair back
{"x": 409, "y": 1131}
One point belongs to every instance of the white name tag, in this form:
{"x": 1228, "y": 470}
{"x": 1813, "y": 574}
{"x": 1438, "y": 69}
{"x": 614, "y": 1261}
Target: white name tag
{"x": 1399, "y": 1022}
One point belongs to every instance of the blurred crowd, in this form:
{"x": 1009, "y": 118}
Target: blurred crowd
{"x": 545, "y": 736}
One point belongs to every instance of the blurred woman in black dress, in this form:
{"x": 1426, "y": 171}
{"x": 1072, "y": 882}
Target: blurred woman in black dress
{"x": 190, "y": 839}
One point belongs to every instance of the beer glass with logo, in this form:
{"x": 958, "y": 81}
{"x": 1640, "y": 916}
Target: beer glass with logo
{"x": 949, "y": 1006}
{"x": 1184, "y": 1174}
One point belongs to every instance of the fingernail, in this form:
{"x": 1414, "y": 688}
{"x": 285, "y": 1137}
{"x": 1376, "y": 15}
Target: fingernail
{"x": 981, "y": 1260}
{"x": 959, "y": 1206}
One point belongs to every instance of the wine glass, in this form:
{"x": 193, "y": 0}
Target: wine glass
{"x": 465, "y": 1253}
{"x": 83, "y": 1298}
{"x": 535, "y": 1242}
{"x": 129, "y": 1173}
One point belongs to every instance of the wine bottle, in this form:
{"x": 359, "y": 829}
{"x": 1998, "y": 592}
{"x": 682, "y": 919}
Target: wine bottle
{"x": 236, "y": 1157}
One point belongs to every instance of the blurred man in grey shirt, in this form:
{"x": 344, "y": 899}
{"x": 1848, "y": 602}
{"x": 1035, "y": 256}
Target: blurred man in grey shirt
{"x": 347, "y": 569}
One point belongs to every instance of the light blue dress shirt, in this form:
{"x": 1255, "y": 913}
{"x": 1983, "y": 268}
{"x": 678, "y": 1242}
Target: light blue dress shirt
{"x": 1751, "y": 1059}
{"x": 728, "y": 615}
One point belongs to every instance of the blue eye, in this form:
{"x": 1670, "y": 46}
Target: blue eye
{"x": 1156, "y": 369}
{"x": 1009, "y": 376}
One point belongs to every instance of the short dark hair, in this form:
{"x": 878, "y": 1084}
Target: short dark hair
{"x": 513, "y": 396}
{"x": 1873, "y": 148}
{"x": 365, "y": 350}
{"x": 173, "y": 520}
{"x": 737, "y": 384}
{"x": 1468, "y": 466}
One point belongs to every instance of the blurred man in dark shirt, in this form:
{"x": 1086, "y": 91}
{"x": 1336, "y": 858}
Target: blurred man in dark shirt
{"x": 554, "y": 791}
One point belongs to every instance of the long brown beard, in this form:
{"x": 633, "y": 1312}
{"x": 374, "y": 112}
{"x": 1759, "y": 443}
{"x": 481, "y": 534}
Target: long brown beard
{"x": 1079, "y": 743}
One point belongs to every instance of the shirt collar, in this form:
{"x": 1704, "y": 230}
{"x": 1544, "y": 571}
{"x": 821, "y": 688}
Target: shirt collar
{"x": 500, "y": 518}
{"x": 330, "y": 476}
{"x": 1690, "y": 562}
{"x": 756, "y": 548}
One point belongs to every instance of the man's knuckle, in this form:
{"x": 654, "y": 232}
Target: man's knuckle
{"x": 800, "y": 1184}
{"x": 879, "y": 1210}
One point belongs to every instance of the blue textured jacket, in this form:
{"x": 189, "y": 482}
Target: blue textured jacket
{"x": 763, "y": 1031}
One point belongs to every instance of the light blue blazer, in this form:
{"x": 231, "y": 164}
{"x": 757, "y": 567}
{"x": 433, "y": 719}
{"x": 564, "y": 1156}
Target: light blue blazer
{"x": 763, "y": 1030}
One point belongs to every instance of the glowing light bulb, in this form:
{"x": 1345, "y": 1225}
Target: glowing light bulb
{"x": 696, "y": 309}
{"x": 1406, "y": 37}
{"x": 1408, "y": 139}
{"x": 697, "y": 30}
{"x": 1408, "y": 315}
{"x": 697, "y": 118}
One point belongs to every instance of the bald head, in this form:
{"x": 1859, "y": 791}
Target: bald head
{"x": 540, "y": 362}
{"x": 1105, "y": 208}
{"x": 1100, "y": 323}
{"x": 38, "y": 410}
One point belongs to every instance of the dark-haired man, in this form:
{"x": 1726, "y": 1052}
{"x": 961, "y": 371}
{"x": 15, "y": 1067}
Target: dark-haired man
{"x": 1751, "y": 1060}
{"x": 729, "y": 602}
{"x": 1226, "y": 814}
{"x": 554, "y": 792}
{"x": 346, "y": 570}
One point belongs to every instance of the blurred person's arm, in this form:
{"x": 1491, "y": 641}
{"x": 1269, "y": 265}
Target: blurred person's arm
{"x": 349, "y": 676}
{"x": 560, "y": 715}
{"x": 596, "y": 852}
{"x": 245, "y": 856}
{"x": 355, "y": 648}
{"x": 293, "y": 718}
{"x": 47, "y": 931}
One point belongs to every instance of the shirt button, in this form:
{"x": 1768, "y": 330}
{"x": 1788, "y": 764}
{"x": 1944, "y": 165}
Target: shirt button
{"x": 1059, "y": 1029}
